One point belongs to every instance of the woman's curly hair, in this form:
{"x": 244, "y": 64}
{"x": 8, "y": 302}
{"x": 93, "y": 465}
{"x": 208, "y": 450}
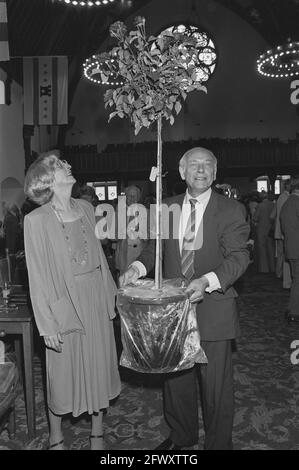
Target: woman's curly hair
{"x": 40, "y": 177}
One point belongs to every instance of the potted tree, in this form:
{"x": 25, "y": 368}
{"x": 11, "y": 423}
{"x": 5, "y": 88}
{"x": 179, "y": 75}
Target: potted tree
{"x": 159, "y": 329}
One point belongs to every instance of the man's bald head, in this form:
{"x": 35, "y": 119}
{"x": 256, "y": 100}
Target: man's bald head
{"x": 194, "y": 151}
{"x": 198, "y": 167}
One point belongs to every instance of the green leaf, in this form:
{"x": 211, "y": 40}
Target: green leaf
{"x": 155, "y": 52}
{"x": 178, "y": 107}
{"x": 130, "y": 98}
{"x": 104, "y": 78}
{"x": 145, "y": 121}
{"x": 111, "y": 115}
{"x": 126, "y": 108}
{"x": 108, "y": 94}
{"x": 137, "y": 127}
{"x": 160, "y": 42}
{"x": 138, "y": 104}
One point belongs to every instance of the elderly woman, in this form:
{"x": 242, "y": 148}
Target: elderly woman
{"x": 73, "y": 296}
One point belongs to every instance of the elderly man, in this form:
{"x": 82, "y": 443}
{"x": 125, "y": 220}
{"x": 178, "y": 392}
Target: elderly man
{"x": 220, "y": 257}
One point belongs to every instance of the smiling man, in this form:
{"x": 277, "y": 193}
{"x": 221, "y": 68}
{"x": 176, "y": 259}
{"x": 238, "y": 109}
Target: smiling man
{"x": 211, "y": 253}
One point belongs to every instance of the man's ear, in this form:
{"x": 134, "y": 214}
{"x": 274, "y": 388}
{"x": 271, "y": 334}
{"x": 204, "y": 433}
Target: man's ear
{"x": 182, "y": 172}
{"x": 215, "y": 172}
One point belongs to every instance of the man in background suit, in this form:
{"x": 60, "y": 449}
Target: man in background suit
{"x": 289, "y": 220}
{"x": 219, "y": 259}
{"x": 130, "y": 247}
{"x": 282, "y": 266}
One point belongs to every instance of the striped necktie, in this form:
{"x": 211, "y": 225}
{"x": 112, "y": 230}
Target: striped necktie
{"x": 187, "y": 257}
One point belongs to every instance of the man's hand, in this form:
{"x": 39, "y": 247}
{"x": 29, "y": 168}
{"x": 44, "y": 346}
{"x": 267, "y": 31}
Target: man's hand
{"x": 54, "y": 342}
{"x": 129, "y": 277}
{"x": 197, "y": 288}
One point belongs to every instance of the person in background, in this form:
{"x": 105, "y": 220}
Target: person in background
{"x": 2, "y": 240}
{"x": 86, "y": 192}
{"x": 253, "y": 202}
{"x": 129, "y": 247}
{"x": 264, "y": 246}
{"x": 12, "y": 228}
{"x": 289, "y": 220}
{"x": 282, "y": 268}
{"x": 73, "y": 299}
{"x": 89, "y": 194}
{"x": 210, "y": 269}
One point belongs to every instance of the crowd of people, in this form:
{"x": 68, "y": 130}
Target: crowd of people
{"x": 73, "y": 276}
{"x": 262, "y": 212}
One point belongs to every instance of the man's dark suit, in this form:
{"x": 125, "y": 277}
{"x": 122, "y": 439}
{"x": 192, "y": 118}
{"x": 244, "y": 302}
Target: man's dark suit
{"x": 224, "y": 252}
{"x": 289, "y": 219}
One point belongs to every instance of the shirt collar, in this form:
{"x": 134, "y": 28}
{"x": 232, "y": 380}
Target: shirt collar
{"x": 201, "y": 198}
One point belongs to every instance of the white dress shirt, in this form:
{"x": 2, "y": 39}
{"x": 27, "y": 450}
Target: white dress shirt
{"x": 200, "y": 208}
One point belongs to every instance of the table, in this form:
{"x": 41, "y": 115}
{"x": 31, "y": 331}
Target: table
{"x": 19, "y": 322}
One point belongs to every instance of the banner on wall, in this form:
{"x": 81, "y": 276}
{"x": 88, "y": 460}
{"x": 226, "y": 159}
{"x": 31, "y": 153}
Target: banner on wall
{"x": 4, "y": 49}
{"x": 2, "y": 92}
{"x": 45, "y": 87}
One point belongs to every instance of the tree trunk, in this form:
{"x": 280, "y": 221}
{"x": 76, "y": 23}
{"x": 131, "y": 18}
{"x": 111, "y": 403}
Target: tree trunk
{"x": 158, "y": 265}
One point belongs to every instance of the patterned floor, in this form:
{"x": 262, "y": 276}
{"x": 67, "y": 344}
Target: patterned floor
{"x": 266, "y": 387}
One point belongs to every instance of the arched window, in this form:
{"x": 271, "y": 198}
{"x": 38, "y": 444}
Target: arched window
{"x": 262, "y": 184}
{"x": 206, "y": 59}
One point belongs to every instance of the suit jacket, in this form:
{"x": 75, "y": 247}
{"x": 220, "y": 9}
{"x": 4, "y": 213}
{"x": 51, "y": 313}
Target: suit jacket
{"x": 224, "y": 251}
{"x": 279, "y": 203}
{"x": 125, "y": 253}
{"x": 51, "y": 281}
{"x": 262, "y": 218}
{"x": 289, "y": 220}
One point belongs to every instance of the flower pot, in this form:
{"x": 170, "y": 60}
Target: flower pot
{"x": 158, "y": 328}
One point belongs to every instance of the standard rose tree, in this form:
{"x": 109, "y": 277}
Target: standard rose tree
{"x": 156, "y": 74}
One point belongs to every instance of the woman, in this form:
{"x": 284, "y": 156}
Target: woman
{"x": 73, "y": 296}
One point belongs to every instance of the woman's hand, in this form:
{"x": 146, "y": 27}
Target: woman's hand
{"x": 54, "y": 342}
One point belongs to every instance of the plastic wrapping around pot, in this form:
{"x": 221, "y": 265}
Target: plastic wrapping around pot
{"x": 158, "y": 328}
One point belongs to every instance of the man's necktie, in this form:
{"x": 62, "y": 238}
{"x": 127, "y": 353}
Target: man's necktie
{"x": 132, "y": 228}
{"x": 187, "y": 258}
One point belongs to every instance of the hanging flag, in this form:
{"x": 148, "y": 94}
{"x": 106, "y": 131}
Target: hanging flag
{"x": 45, "y": 87}
{"x": 2, "y": 92}
{"x": 4, "y": 51}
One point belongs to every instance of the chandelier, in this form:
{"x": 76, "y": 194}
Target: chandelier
{"x": 281, "y": 62}
{"x": 86, "y": 3}
{"x": 97, "y": 70}
{"x": 100, "y": 66}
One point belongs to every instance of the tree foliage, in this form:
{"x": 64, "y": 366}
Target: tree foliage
{"x": 156, "y": 73}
